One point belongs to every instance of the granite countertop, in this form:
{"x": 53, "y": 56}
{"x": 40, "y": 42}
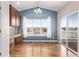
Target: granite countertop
{"x": 16, "y": 35}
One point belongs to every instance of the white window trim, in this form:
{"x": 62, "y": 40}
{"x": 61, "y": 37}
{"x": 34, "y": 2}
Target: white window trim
{"x": 48, "y": 31}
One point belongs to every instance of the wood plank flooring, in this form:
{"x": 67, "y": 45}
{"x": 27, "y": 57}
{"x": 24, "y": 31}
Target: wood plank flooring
{"x": 39, "y": 50}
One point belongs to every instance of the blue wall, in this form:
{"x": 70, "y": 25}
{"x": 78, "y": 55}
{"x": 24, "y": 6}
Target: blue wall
{"x": 45, "y": 13}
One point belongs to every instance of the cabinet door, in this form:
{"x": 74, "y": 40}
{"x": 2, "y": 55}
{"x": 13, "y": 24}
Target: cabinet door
{"x": 17, "y": 19}
{"x": 18, "y": 39}
{"x": 12, "y": 16}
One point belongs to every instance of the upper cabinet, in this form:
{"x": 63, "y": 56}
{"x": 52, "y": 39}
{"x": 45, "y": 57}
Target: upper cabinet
{"x": 17, "y": 18}
{"x": 14, "y": 17}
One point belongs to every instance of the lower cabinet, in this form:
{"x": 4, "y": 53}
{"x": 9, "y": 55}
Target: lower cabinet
{"x": 11, "y": 44}
{"x": 15, "y": 40}
{"x": 18, "y": 39}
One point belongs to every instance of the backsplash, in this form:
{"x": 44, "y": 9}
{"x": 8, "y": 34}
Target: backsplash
{"x": 13, "y": 31}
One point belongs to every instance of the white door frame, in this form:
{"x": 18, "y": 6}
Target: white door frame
{"x": 0, "y": 27}
{"x": 5, "y": 29}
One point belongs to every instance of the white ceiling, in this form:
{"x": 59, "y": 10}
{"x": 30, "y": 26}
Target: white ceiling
{"x": 51, "y": 5}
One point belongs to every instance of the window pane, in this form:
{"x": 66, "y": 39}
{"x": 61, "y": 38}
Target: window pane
{"x": 63, "y": 30}
{"x": 37, "y": 26}
{"x": 72, "y": 31}
{"x": 36, "y": 22}
{"x": 29, "y": 23}
{"x": 44, "y": 23}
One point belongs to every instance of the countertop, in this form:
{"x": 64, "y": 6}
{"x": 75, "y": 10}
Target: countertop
{"x": 16, "y": 35}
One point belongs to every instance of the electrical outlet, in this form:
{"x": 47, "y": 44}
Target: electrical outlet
{"x": 0, "y": 53}
{"x": 0, "y": 31}
{"x": 0, "y": 8}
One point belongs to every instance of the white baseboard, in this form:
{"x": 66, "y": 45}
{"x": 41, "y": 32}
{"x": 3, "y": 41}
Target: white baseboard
{"x": 40, "y": 40}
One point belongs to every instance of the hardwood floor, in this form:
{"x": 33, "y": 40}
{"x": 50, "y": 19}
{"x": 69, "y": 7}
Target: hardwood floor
{"x": 39, "y": 50}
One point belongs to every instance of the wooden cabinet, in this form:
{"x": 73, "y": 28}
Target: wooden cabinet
{"x": 14, "y": 17}
{"x": 18, "y": 39}
{"x": 17, "y": 17}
